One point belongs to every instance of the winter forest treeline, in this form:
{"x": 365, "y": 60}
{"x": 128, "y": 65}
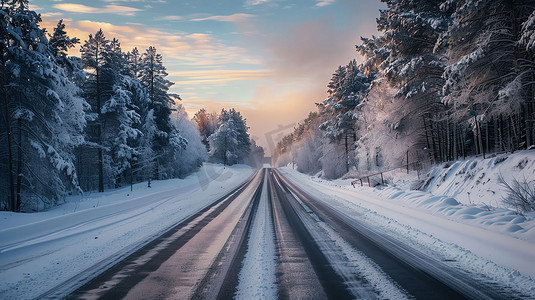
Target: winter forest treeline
{"x": 444, "y": 79}
{"x": 98, "y": 121}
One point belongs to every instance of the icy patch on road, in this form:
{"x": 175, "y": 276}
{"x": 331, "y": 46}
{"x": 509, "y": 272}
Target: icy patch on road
{"x": 257, "y": 277}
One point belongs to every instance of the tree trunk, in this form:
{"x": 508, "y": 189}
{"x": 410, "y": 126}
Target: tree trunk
{"x": 455, "y": 151}
{"x": 526, "y": 125}
{"x": 496, "y": 135}
{"x": 433, "y": 128}
{"x": 448, "y": 141}
{"x": 487, "y": 141}
{"x": 438, "y": 131}
{"x": 99, "y": 136}
{"x": 427, "y": 137}
{"x": 12, "y": 204}
{"x": 347, "y": 154}
{"x": 480, "y": 139}
{"x": 514, "y": 135}
{"x": 19, "y": 166}
{"x": 462, "y": 144}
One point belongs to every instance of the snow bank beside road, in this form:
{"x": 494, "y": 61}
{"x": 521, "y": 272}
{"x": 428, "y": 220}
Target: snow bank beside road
{"x": 42, "y": 250}
{"x": 468, "y": 191}
{"x": 476, "y": 180}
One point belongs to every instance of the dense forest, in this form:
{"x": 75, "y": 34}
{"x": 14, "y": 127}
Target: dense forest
{"x": 444, "y": 79}
{"x": 102, "y": 120}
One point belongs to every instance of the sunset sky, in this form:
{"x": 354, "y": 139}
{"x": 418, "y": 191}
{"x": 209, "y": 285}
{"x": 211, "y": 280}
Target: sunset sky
{"x": 269, "y": 59}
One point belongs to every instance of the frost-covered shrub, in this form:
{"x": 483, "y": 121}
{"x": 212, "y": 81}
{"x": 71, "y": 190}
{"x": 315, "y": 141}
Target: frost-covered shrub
{"x": 191, "y": 157}
{"x": 520, "y": 194}
{"x": 500, "y": 159}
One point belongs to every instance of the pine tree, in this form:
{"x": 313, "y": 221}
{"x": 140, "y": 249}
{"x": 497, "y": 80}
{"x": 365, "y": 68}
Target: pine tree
{"x": 124, "y": 116}
{"x": 60, "y": 42}
{"x": 166, "y": 138}
{"x": 191, "y": 157}
{"x": 121, "y": 132}
{"x": 230, "y": 144}
{"x": 347, "y": 89}
{"x": 207, "y": 125}
{"x": 412, "y": 28}
{"x": 489, "y": 72}
{"x": 40, "y": 130}
{"x": 134, "y": 62}
{"x": 97, "y": 88}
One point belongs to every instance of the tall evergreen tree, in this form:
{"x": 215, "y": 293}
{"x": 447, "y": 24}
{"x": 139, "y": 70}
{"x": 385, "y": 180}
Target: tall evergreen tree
{"x": 207, "y": 125}
{"x": 60, "y": 42}
{"x": 347, "y": 89}
{"x": 489, "y": 72}
{"x": 37, "y": 125}
{"x": 166, "y": 138}
{"x": 230, "y": 144}
{"x": 134, "y": 62}
{"x": 411, "y": 29}
{"x": 97, "y": 87}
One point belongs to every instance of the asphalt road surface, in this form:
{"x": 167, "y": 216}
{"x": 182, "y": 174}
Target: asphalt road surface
{"x": 201, "y": 257}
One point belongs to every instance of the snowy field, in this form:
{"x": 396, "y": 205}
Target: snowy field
{"x": 88, "y": 233}
{"x": 494, "y": 242}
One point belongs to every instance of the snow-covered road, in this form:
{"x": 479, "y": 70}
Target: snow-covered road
{"x": 77, "y": 241}
{"x": 489, "y": 257}
{"x": 279, "y": 234}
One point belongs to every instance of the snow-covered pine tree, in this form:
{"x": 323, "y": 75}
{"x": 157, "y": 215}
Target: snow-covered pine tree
{"x": 375, "y": 54}
{"x": 190, "y": 158}
{"x": 347, "y": 89}
{"x": 166, "y": 139}
{"x": 489, "y": 73}
{"x": 133, "y": 59}
{"x": 142, "y": 162}
{"x": 256, "y": 155}
{"x": 60, "y": 42}
{"x": 74, "y": 116}
{"x": 121, "y": 118}
{"x": 527, "y": 72}
{"x": 97, "y": 88}
{"x": 230, "y": 144}
{"x": 36, "y": 124}
{"x": 121, "y": 104}
{"x": 207, "y": 124}
{"x": 411, "y": 29}
{"x": 304, "y": 148}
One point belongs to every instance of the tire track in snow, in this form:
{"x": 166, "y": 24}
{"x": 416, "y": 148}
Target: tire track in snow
{"x": 319, "y": 252}
{"x": 257, "y": 278}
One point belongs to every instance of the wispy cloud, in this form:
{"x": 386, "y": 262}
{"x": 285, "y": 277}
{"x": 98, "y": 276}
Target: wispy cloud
{"x": 144, "y": 1}
{"x": 229, "y": 18}
{"x": 171, "y": 18}
{"x": 324, "y": 2}
{"x": 35, "y": 7}
{"x": 52, "y": 15}
{"x": 218, "y": 76}
{"x": 255, "y": 2}
{"x": 108, "y": 9}
{"x": 196, "y": 50}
